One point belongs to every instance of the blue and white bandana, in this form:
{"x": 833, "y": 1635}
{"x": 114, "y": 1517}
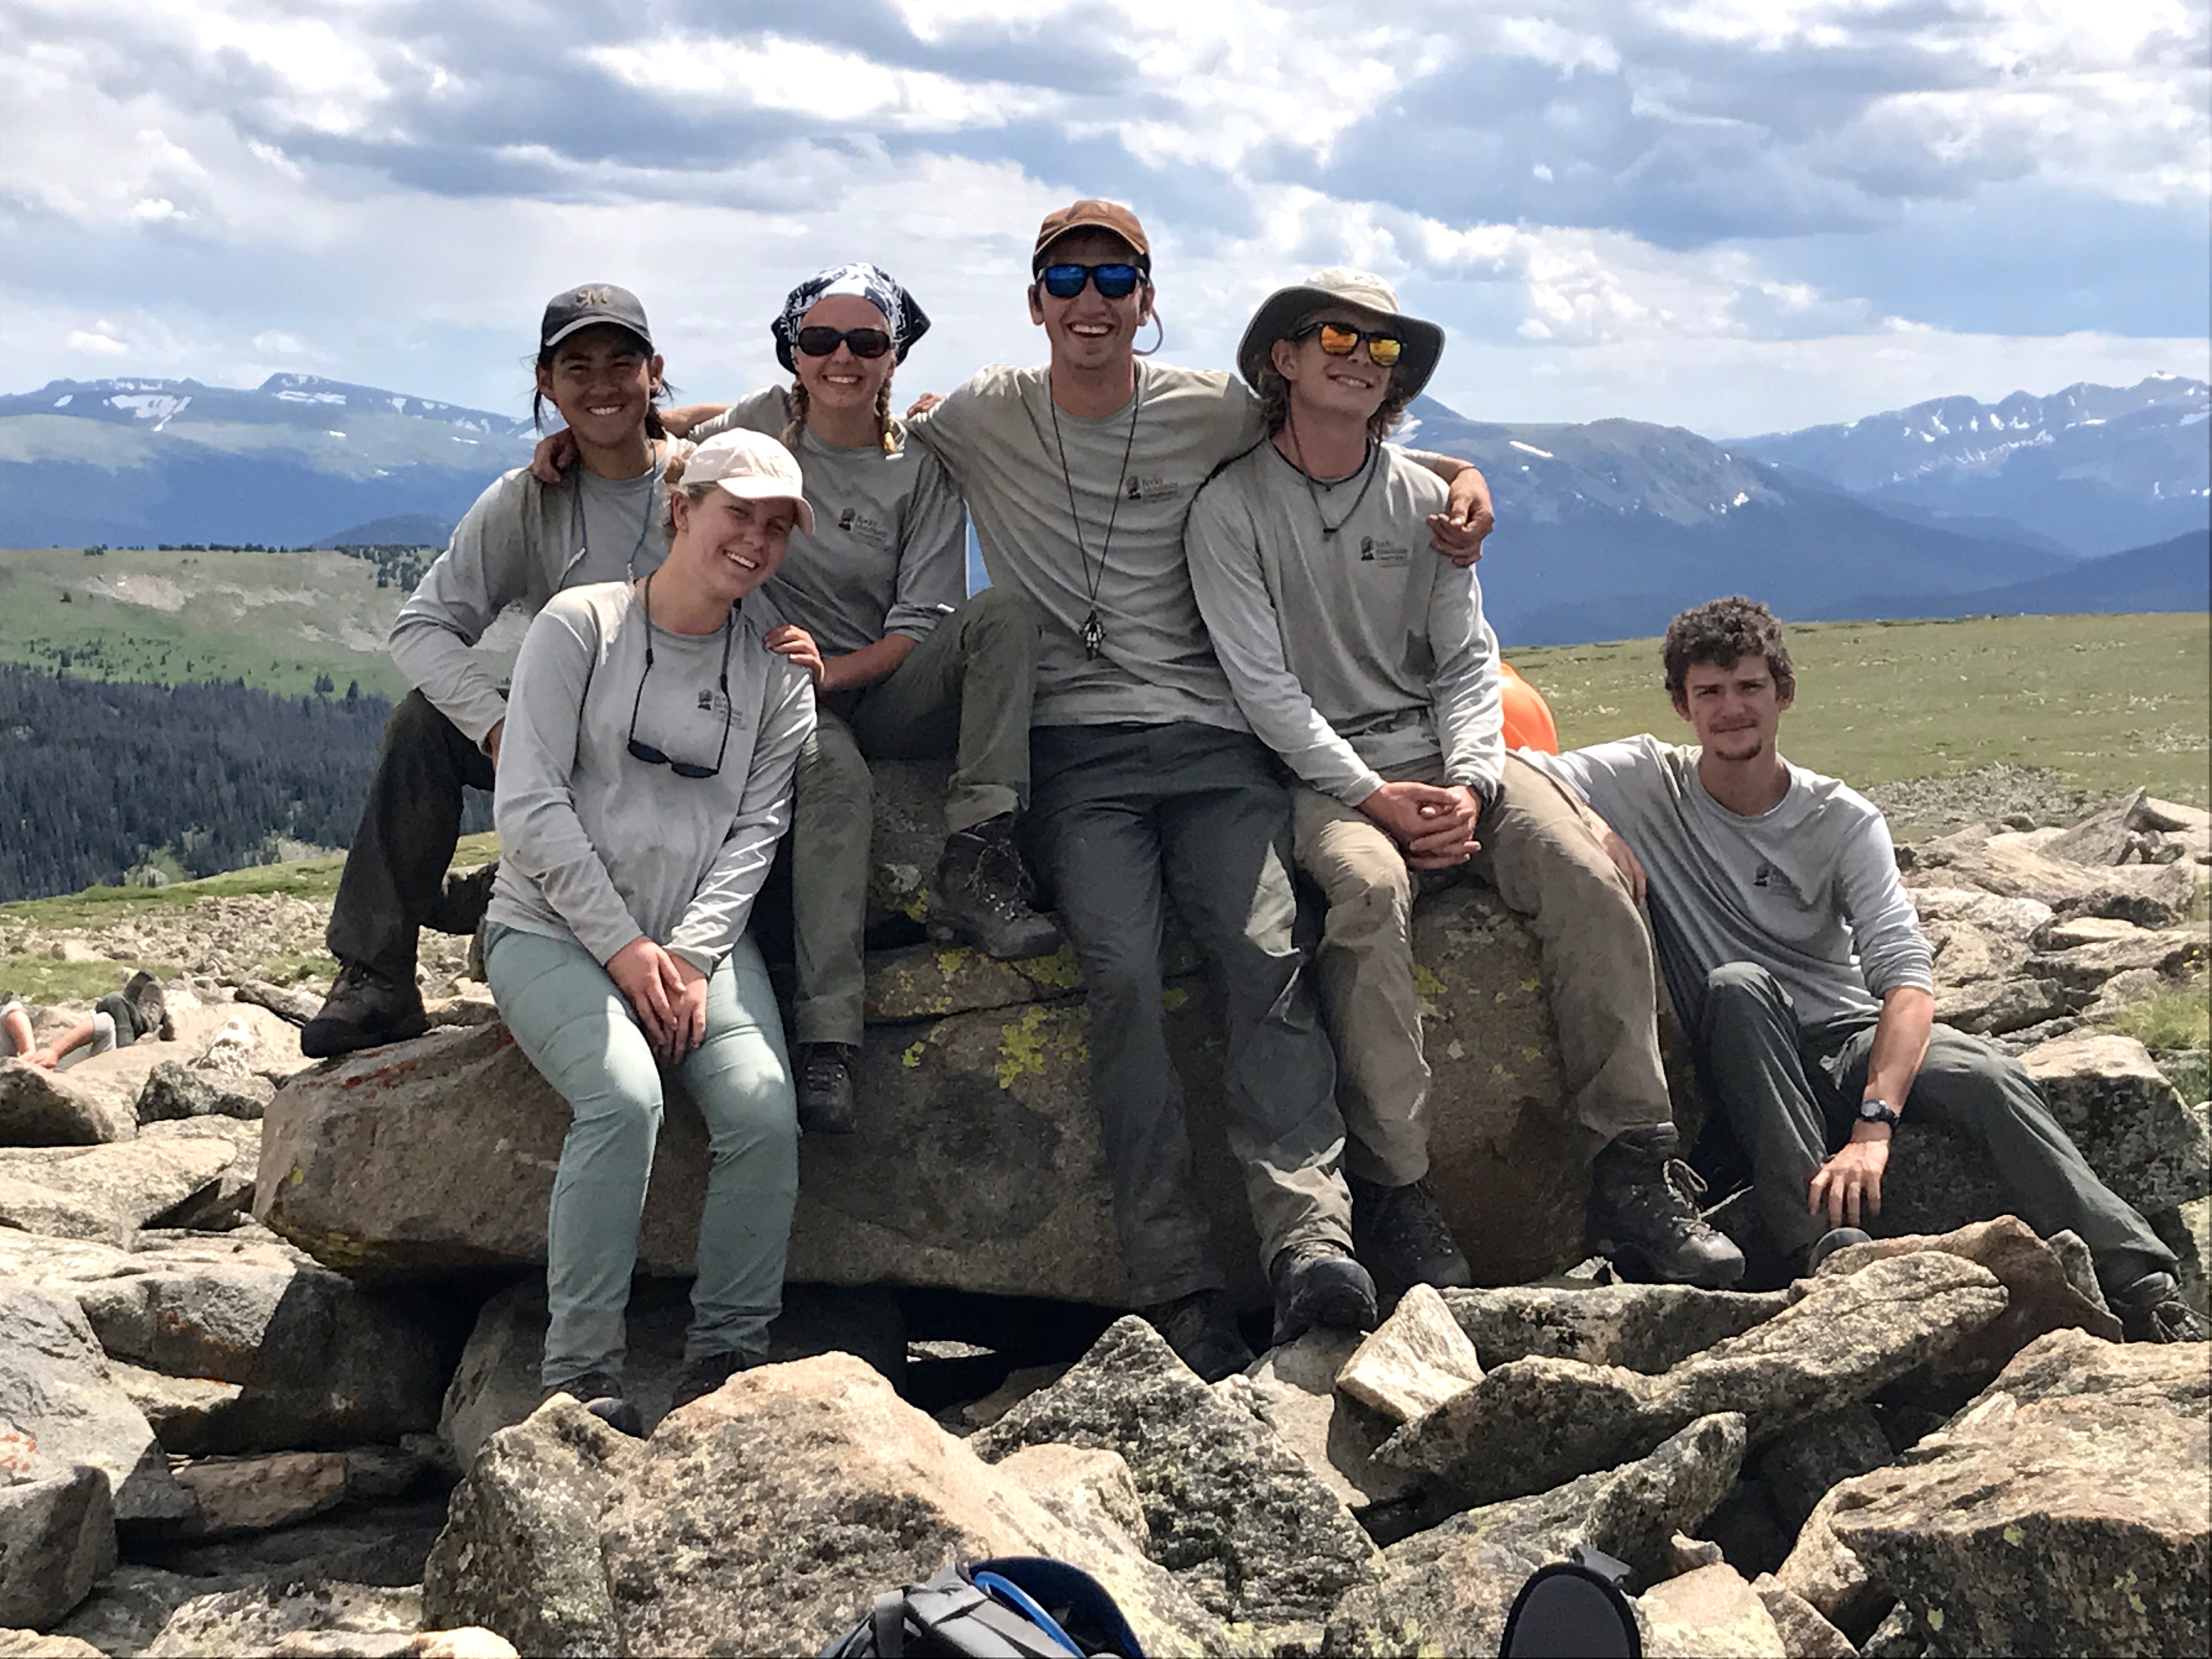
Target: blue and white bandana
{"x": 908, "y": 322}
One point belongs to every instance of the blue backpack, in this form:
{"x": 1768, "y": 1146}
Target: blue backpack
{"x": 1010, "y": 1607}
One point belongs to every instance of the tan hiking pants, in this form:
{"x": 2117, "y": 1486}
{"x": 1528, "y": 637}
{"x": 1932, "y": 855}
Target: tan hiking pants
{"x": 1541, "y": 852}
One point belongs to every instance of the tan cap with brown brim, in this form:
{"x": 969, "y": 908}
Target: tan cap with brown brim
{"x": 1282, "y": 311}
{"x": 1091, "y": 214}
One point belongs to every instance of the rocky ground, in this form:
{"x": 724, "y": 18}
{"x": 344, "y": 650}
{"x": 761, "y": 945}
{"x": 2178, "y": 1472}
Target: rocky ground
{"x": 267, "y": 1336}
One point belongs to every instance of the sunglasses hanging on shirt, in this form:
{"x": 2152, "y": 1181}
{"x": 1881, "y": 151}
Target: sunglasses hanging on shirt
{"x": 1116, "y": 280}
{"x": 1341, "y": 340}
{"x": 818, "y": 342}
{"x": 646, "y": 751}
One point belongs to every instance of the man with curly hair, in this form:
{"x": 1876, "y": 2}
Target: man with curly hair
{"x": 1367, "y": 666}
{"x": 1797, "y": 961}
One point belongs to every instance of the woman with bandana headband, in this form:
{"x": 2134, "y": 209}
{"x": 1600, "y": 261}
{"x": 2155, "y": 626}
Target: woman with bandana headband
{"x": 905, "y": 665}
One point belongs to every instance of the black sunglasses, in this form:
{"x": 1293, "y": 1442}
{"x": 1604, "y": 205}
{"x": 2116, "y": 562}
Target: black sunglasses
{"x": 646, "y": 751}
{"x": 1116, "y": 281}
{"x": 819, "y": 342}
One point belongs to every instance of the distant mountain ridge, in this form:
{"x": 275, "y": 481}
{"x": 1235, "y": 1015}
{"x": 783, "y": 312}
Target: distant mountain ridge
{"x": 137, "y": 461}
{"x": 2099, "y": 468}
{"x": 1607, "y": 527}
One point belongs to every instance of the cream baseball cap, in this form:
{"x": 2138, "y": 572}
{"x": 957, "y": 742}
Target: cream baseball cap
{"x": 753, "y": 467}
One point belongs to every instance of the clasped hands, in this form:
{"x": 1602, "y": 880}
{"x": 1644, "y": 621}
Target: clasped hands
{"x": 1432, "y": 823}
{"x": 669, "y": 994}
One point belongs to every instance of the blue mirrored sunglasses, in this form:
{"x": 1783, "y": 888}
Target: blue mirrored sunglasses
{"x": 1116, "y": 281}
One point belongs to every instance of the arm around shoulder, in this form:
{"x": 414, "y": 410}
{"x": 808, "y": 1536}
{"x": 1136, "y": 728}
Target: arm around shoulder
{"x": 483, "y": 569}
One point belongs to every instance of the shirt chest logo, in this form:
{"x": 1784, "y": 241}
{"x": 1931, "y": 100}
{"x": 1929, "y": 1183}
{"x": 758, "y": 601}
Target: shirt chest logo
{"x": 1770, "y": 879}
{"x": 854, "y": 523}
{"x": 713, "y": 701}
{"x": 1141, "y": 488}
{"x": 1389, "y": 554}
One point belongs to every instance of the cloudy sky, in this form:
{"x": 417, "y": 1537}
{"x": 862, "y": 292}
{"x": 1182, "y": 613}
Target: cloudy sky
{"x": 1734, "y": 215}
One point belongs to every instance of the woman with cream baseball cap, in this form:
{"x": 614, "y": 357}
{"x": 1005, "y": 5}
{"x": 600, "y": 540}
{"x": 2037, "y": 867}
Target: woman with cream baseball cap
{"x": 645, "y": 779}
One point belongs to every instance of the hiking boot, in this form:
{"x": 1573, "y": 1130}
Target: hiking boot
{"x": 1318, "y": 1283}
{"x": 1642, "y": 1213}
{"x": 365, "y": 1009}
{"x": 600, "y": 1392}
{"x": 981, "y": 893}
{"x": 2151, "y": 1310}
{"x": 702, "y": 1376}
{"x": 463, "y": 898}
{"x": 1400, "y": 1235}
{"x": 827, "y": 1105}
{"x": 1836, "y": 1239}
{"x": 1203, "y": 1333}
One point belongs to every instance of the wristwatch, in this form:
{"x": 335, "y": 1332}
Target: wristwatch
{"x": 1877, "y": 1111}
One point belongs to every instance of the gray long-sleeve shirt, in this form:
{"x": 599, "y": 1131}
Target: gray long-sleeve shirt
{"x": 1354, "y": 652}
{"x": 521, "y": 543}
{"x": 599, "y": 847}
{"x": 1808, "y": 889}
{"x": 889, "y": 553}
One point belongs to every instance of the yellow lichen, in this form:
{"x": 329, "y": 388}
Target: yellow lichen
{"x": 1174, "y": 997}
{"x": 1935, "y": 1618}
{"x": 1057, "y": 971}
{"x": 1426, "y": 984}
{"x": 912, "y": 1057}
{"x": 1021, "y": 1048}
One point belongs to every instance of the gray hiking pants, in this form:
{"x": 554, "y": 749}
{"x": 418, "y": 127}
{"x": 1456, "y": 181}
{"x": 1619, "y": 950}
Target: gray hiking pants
{"x": 1124, "y": 817}
{"x": 1792, "y": 1093}
{"x": 965, "y": 691}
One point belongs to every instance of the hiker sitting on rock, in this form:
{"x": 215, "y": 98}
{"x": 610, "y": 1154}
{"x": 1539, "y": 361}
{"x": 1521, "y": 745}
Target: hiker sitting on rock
{"x": 521, "y": 543}
{"x": 1797, "y": 961}
{"x": 905, "y": 665}
{"x": 1369, "y": 668}
{"x": 1148, "y": 783}
{"x": 644, "y": 780}
{"x": 118, "y": 1020}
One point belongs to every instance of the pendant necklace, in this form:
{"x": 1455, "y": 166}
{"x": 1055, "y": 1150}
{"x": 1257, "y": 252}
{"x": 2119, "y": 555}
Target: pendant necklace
{"x": 1367, "y": 466}
{"x": 1093, "y": 631}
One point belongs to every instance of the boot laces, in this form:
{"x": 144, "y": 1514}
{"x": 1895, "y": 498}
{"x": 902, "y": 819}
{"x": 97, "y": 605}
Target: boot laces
{"x": 1411, "y": 1223}
{"x": 826, "y": 1067}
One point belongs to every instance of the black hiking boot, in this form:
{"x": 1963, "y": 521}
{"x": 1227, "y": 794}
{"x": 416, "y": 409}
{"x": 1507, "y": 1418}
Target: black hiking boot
{"x": 1320, "y": 1284}
{"x": 981, "y": 893}
{"x": 827, "y": 1097}
{"x": 600, "y": 1392}
{"x": 1203, "y": 1333}
{"x": 462, "y": 897}
{"x": 702, "y": 1376}
{"x": 2151, "y": 1310}
{"x": 1400, "y": 1235}
{"x": 1642, "y": 1216}
{"x": 365, "y": 1009}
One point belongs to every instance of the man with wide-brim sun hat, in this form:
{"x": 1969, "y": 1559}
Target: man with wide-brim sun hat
{"x": 1369, "y": 668}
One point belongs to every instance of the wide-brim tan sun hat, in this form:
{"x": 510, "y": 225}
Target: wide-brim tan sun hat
{"x": 1341, "y": 285}
{"x": 753, "y": 467}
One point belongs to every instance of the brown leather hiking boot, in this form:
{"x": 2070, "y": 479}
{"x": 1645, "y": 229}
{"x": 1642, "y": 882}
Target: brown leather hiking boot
{"x": 365, "y": 1009}
{"x": 981, "y": 893}
{"x": 1642, "y": 1216}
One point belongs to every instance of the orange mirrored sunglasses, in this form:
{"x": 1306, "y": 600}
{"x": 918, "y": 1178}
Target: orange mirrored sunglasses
{"x": 1342, "y": 339}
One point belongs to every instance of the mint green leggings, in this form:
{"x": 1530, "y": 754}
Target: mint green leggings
{"x": 568, "y": 1015}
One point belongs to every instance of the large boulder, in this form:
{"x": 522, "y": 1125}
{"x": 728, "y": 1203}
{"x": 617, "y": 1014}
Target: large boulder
{"x": 978, "y": 1164}
{"x": 496, "y": 1383}
{"x": 2135, "y": 1131}
{"x": 366, "y": 1620}
{"x": 273, "y": 1351}
{"x": 761, "y": 1519}
{"x": 106, "y": 1193}
{"x": 2069, "y": 1509}
{"x": 57, "y": 1538}
{"x": 1644, "y": 1328}
{"x": 1447, "y": 1589}
{"x": 1235, "y": 1514}
{"x": 43, "y": 1108}
{"x": 60, "y": 1409}
{"x": 1533, "y": 1423}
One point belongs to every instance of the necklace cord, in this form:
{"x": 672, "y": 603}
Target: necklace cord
{"x": 1366, "y": 465}
{"x": 1093, "y": 634}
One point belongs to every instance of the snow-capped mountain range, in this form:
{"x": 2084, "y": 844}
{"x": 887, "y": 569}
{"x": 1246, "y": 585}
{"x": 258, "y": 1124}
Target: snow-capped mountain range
{"x": 1606, "y": 527}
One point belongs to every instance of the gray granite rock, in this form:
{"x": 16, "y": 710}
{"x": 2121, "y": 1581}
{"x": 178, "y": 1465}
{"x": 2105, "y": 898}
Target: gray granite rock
{"x": 2069, "y": 1509}
{"x": 1447, "y": 1589}
{"x": 57, "y": 1538}
{"x": 1533, "y": 1423}
{"x": 1805, "y": 1633}
{"x": 1708, "y": 1614}
{"x": 43, "y": 1108}
{"x": 1235, "y": 1515}
{"x": 1800, "y": 1465}
{"x": 1292, "y": 1391}
{"x": 174, "y": 1092}
{"x": 271, "y": 1619}
{"x": 2136, "y": 1132}
{"x": 1414, "y": 1361}
{"x": 106, "y": 1193}
{"x": 1643, "y": 1328}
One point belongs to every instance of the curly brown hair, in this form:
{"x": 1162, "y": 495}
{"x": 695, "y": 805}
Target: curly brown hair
{"x": 1721, "y": 634}
{"x": 1275, "y": 395}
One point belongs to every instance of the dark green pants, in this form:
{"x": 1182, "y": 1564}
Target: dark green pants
{"x": 1792, "y": 1093}
{"x": 397, "y": 866}
{"x": 1126, "y": 817}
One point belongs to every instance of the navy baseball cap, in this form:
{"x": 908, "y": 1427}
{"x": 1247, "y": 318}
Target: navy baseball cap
{"x": 594, "y": 302}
